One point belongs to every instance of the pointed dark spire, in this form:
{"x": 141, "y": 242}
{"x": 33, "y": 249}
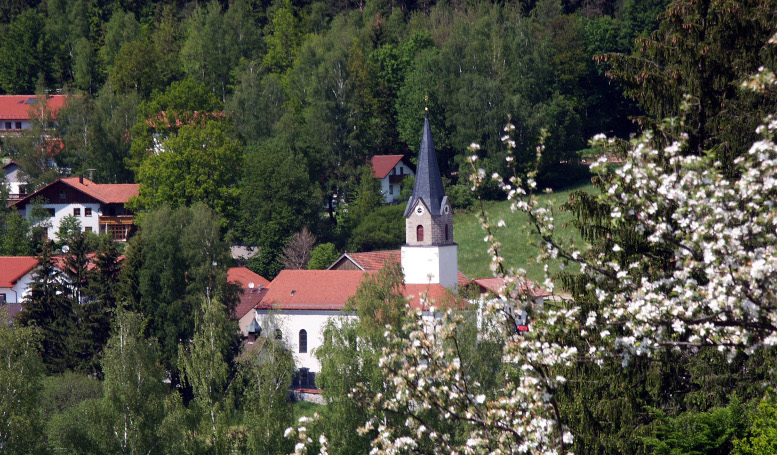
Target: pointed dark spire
{"x": 428, "y": 183}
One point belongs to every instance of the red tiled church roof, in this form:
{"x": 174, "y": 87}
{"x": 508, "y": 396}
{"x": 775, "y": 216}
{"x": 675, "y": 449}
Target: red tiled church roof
{"x": 383, "y": 164}
{"x": 311, "y": 289}
{"x": 12, "y": 268}
{"x": 330, "y": 290}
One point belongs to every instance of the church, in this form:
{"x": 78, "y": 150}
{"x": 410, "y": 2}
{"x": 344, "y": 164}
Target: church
{"x": 299, "y": 303}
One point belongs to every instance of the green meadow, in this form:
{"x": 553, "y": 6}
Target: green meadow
{"x": 519, "y": 239}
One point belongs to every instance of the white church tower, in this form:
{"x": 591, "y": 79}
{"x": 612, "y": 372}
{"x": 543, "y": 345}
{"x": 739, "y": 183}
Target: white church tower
{"x": 429, "y": 254}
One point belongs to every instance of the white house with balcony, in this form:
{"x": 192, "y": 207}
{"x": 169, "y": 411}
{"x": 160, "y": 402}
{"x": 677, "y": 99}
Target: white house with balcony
{"x": 391, "y": 170}
{"x": 98, "y": 207}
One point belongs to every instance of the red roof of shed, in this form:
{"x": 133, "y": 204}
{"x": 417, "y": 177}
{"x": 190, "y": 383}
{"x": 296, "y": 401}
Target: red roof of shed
{"x": 17, "y": 107}
{"x": 383, "y": 164}
{"x": 12, "y": 268}
{"x": 243, "y": 276}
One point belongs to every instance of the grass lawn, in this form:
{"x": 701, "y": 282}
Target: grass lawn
{"x": 519, "y": 243}
{"x": 306, "y": 409}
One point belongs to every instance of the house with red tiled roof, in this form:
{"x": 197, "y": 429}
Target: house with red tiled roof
{"x": 391, "y": 170}
{"x": 254, "y": 288}
{"x": 100, "y": 207}
{"x": 15, "y": 277}
{"x": 18, "y": 111}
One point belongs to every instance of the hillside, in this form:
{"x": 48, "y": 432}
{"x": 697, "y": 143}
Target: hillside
{"x": 519, "y": 243}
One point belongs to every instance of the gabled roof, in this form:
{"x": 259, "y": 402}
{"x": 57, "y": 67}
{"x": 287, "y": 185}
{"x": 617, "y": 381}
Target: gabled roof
{"x": 329, "y": 290}
{"x": 107, "y": 193}
{"x": 383, "y": 164}
{"x": 12, "y": 268}
{"x": 249, "y": 299}
{"x": 371, "y": 260}
{"x": 17, "y": 107}
{"x": 244, "y": 276}
{"x": 428, "y": 183}
{"x": 311, "y": 289}
{"x": 376, "y": 260}
{"x": 495, "y": 285}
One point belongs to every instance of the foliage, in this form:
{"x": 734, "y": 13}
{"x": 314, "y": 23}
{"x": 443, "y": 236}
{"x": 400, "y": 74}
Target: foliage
{"x": 25, "y": 53}
{"x": 69, "y": 227}
{"x": 265, "y": 373}
{"x": 20, "y": 420}
{"x": 322, "y": 256}
{"x": 762, "y": 437}
{"x": 205, "y": 367}
{"x": 698, "y": 433}
{"x": 178, "y": 258}
{"x": 381, "y": 229}
{"x": 200, "y": 163}
{"x": 269, "y": 210}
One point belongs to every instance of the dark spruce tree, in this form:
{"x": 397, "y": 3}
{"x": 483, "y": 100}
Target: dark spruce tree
{"x": 48, "y": 308}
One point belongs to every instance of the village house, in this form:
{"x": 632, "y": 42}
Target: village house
{"x": 391, "y": 170}
{"x": 99, "y": 207}
{"x": 17, "y": 112}
{"x": 15, "y": 277}
{"x": 253, "y": 289}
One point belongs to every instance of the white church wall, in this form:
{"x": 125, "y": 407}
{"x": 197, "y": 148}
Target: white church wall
{"x": 291, "y": 322}
{"x": 431, "y": 264}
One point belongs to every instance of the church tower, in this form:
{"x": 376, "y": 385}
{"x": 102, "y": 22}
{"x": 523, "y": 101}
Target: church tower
{"x": 429, "y": 254}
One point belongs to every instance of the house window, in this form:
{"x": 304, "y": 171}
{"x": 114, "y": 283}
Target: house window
{"x": 51, "y": 212}
{"x": 8, "y": 125}
{"x": 18, "y": 125}
{"x": 88, "y": 229}
{"x": 2, "y": 298}
{"x": 303, "y": 341}
{"x": 87, "y": 211}
{"x": 419, "y": 233}
{"x": 278, "y": 334}
{"x": 393, "y": 172}
{"x": 446, "y": 232}
{"x": 391, "y": 189}
{"x": 401, "y": 170}
{"x": 76, "y": 211}
{"x": 62, "y": 195}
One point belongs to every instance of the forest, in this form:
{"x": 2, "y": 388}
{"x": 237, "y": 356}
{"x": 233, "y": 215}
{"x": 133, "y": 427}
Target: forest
{"x": 301, "y": 94}
{"x": 245, "y": 122}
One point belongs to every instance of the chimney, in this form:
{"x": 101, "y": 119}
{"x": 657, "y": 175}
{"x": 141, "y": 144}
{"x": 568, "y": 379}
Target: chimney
{"x": 81, "y": 179}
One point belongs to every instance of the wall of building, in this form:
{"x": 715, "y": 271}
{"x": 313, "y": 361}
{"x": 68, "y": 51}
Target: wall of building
{"x": 431, "y": 264}
{"x": 19, "y": 291}
{"x": 390, "y": 191}
{"x": 63, "y": 210}
{"x": 290, "y": 322}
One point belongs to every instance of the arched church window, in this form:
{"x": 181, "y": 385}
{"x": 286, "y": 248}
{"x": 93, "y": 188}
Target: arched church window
{"x": 446, "y": 232}
{"x": 303, "y": 341}
{"x": 419, "y": 233}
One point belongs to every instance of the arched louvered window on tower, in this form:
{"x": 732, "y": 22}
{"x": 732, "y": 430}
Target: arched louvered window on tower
{"x": 303, "y": 341}
{"x": 446, "y": 232}
{"x": 419, "y": 233}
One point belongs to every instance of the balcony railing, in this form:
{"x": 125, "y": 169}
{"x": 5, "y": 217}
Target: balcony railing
{"x": 118, "y": 227}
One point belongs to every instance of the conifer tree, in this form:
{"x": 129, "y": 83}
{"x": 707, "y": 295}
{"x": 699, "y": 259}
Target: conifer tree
{"x": 48, "y": 308}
